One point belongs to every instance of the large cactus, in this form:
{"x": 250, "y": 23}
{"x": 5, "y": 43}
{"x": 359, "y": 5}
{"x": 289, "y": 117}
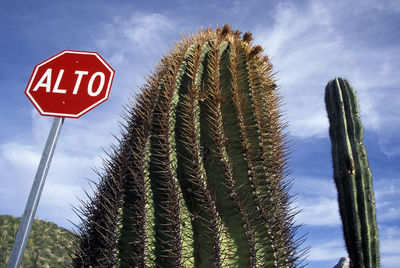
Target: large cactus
{"x": 352, "y": 175}
{"x": 198, "y": 178}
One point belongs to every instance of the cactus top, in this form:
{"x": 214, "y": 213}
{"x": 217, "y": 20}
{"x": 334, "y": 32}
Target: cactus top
{"x": 198, "y": 179}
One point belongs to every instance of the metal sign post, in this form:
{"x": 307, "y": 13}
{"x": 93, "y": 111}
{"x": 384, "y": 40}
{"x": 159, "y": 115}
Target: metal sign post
{"x": 25, "y": 226}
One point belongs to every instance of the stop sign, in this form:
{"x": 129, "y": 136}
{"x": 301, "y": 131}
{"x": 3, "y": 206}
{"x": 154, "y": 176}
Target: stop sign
{"x": 70, "y": 84}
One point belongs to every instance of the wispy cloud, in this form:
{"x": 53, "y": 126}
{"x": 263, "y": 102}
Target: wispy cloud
{"x": 316, "y": 201}
{"x": 309, "y": 186}
{"x": 332, "y": 250}
{"x": 300, "y": 45}
{"x": 137, "y": 35}
{"x": 387, "y": 193}
{"x": 318, "y": 211}
{"x": 135, "y": 43}
{"x": 389, "y": 245}
{"x": 309, "y": 45}
{"x": 78, "y": 150}
{"x": 319, "y": 206}
{"x": 143, "y": 29}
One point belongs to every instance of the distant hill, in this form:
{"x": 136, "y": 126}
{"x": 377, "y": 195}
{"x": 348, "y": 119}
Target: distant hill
{"x": 47, "y": 242}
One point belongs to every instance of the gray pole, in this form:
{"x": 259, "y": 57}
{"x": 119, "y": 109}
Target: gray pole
{"x": 25, "y": 226}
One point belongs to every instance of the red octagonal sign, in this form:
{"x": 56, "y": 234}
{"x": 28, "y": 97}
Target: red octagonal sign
{"x": 70, "y": 84}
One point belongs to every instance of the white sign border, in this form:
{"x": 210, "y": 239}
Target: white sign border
{"x": 37, "y": 106}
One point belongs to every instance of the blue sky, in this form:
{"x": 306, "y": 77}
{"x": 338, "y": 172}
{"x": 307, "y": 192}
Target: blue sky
{"x": 309, "y": 42}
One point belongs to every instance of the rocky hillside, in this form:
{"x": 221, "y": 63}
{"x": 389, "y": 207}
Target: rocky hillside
{"x": 47, "y": 246}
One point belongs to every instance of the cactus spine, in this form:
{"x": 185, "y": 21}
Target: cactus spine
{"x": 198, "y": 178}
{"x": 352, "y": 174}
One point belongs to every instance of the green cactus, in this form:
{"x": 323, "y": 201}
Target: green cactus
{"x": 198, "y": 178}
{"x": 352, "y": 175}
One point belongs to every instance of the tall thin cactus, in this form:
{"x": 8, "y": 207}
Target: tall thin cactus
{"x": 198, "y": 178}
{"x": 352, "y": 175}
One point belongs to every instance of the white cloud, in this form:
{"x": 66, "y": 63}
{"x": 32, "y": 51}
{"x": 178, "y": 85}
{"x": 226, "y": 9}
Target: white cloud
{"x": 40, "y": 127}
{"x": 137, "y": 35}
{"x": 302, "y": 46}
{"x": 387, "y": 193}
{"x": 390, "y": 261}
{"x": 58, "y": 194}
{"x": 77, "y": 151}
{"x": 387, "y": 188}
{"x": 316, "y": 201}
{"x": 309, "y": 45}
{"x": 390, "y": 245}
{"x": 332, "y": 250}
{"x": 293, "y": 23}
{"x": 318, "y": 211}
{"x": 390, "y": 214}
{"x": 315, "y": 186}
{"x": 83, "y": 134}
{"x": 135, "y": 43}
{"x": 14, "y": 154}
{"x": 144, "y": 29}
{"x": 389, "y": 144}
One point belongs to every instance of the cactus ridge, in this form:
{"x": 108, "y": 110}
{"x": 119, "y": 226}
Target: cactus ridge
{"x": 352, "y": 174}
{"x": 198, "y": 177}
